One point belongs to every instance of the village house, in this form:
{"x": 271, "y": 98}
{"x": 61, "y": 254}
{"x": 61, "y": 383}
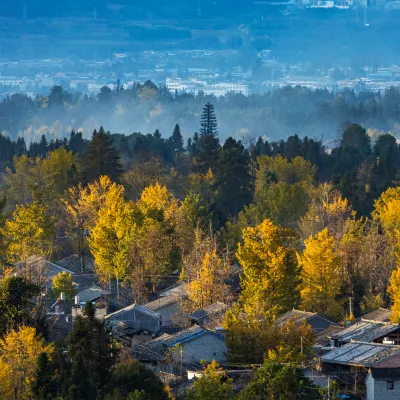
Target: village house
{"x": 317, "y": 322}
{"x": 210, "y": 316}
{"x": 351, "y": 363}
{"x": 368, "y": 331}
{"x": 185, "y": 349}
{"x": 167, "y": 306}
{"x": 383, "y": 383}
{"x": 135, "y": 320}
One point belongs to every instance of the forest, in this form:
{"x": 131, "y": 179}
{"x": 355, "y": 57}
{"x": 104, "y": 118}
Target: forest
{"x": 306, "y": 226}
{"x": 143, "y": 108}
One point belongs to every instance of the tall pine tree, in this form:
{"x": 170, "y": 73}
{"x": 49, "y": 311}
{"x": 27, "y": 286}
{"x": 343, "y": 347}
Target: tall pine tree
{"x": 233, "y": 179}
{"x": 176, "y": 139}
{"x": 207, "y": 148}
{"x": 101, "y": 158}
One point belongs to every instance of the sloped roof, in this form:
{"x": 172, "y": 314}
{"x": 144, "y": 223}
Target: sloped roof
{"x": 210, "y": 311}
{"x": 135, "y": 317}
{"x": 323, "y": 338}
{"x": 381, "y": 315}
{"x": 178, "y": 289}
{"x": 366, "y": 331}
{"x": 360, "y": 354}
{"x": 162, "y": 302}
{"x": 85, "y": 281}
{"x": 386, "y": 374}
{"x": 91, "y": 294}
{"x": 296, "y": 316}
{"x": 158, "y": 347}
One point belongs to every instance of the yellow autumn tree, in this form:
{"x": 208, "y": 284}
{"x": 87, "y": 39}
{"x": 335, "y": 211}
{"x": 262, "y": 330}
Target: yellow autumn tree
{"x": 29, "y": 233}
{"x": 155, "y": 198}
{"x": 387, "y": 211}
{"x": 62, "y": 283}
{"x": 19, "y": 351}
{"x": 111, "y": 237}
{"x": 82, "y": 207}
{"x": 320, "y": 275}
{"x": 270, "y": 272}
{"x": 209, "y": 286}
{"x": 394, "y": 293}
{"x": 328, "y": 209}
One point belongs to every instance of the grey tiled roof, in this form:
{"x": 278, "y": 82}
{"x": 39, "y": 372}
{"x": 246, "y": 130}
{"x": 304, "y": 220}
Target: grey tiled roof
{"x": 361, "y": 354}
{"x": 381, "y": 314}
{"x": 136, "y": 317}
{"x": 323, "y": 338}
{"x": 213, "y": 310}
{"x": 85, "y": 281}
{"x": 295, "y": 316}
{"x": 385, "y": 374}
{"x": 162, "y": 302}
{"x": 91, "y": 294}
{"x": 366, "y": 331}
{"x": 177, "y": 289}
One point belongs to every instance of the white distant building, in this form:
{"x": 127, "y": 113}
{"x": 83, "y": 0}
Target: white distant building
{"x": 222, "y": 89}
{"x": 195, "y": 86}
{"x": 10, "y": 81}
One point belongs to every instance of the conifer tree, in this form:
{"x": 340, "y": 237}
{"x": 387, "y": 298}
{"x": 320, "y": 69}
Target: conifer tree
{"x": 177, "y": 140}
{"x": 270, "y": 272}
{"x": 101, "y": 158}
{"x": 209, "y": 125}
{"x": 233, "y": 180}
{"x": 207, "y": 146}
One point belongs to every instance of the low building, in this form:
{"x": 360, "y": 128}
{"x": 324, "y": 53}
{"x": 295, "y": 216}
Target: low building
{"x": 317, "y": 322}
{"x": 188, "y": 347}
{"x": 383, "y": 383}
{"x": 97, "y": 296}
{"x": 166, "y": 306}
{"x": 209, "y": 315}
{"x": 351, "y": 364}
{"x": 135, "y": 320}
{"x": 368, "y": 331}
{"x": 379, "y": 315}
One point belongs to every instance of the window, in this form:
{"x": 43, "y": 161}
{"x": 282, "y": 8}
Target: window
{"x": 390, "y": 385}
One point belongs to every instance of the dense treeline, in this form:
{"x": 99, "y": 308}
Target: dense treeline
{"x": 145, "y": 108}
{"x": 305, "y": 226}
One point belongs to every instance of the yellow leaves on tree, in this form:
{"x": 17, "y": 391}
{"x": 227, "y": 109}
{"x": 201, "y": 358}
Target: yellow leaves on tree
{"x": 111, "y": 237}
{"x": 394, "y": 293}
{"x": 19, "y": 351}
{"x": 387, "y": 211}
{"x": 29, "y": 233}
{"x": 270, "y": 272}
{"x": 84, "y": 203}
{"x": 320, "y": 275}
{"x": 328, "y": 209}
{"x": 209, "y": 287}
{"x": 62, "y": 283}
{"x": 155, "y": 198}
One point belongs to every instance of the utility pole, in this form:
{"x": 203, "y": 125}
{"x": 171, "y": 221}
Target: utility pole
{"x": 329, "y": 388}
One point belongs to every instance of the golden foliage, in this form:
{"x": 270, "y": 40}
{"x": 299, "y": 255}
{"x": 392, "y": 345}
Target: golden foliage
{"x": 394, "y": 293}
{"x": 270, "y": 272}
{"x": 19, "y": 351}
{"x": 320, "y": 275}
{"x": 209, "y": 286}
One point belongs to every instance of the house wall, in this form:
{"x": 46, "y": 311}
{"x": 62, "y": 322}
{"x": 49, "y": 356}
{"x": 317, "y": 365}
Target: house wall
{"x": 206, "y": 347}
{"x": 377, "y": 390}
{"x": 369, "y": 383}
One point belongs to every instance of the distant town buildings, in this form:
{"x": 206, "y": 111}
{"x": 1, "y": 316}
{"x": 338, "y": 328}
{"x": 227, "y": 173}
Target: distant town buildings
{"x": 177, "y": 85}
